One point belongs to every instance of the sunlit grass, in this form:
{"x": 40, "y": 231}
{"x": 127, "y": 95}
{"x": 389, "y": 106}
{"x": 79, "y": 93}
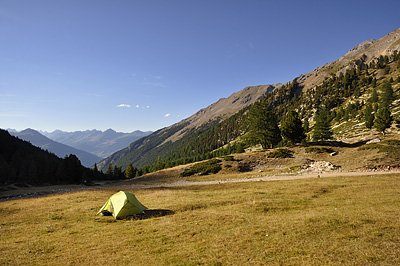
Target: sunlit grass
{"x": 325, "y": 221}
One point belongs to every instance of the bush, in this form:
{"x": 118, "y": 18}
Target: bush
{"x": 228, "y": 158}
{"x": 392, "y": 142}
{"x": 280, "y": 153}
{"x": 208, "y": 167}
{"x": 318, "y": 150}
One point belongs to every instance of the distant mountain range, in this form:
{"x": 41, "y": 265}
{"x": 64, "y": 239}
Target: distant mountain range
{"x": 99, "y": 143}
{"x": 61, "y": 150}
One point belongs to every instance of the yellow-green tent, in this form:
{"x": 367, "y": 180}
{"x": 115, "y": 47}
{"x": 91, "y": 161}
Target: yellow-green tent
{"x": 122, "y": 204}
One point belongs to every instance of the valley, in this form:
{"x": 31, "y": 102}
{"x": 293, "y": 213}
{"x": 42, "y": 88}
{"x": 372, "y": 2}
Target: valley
{"x": 301, "y": 173}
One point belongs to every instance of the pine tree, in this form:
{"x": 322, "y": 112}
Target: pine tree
{"x": 387, "y": 69}
{"x": 263, "y": 126}
{"x": 74, "y": 168}
{"x": 239, "y": 148}
{"x": 322, "y": 127}
{"x": 387, "y": 93}
{"x": 306, "y": 125}
{"x": 383, "y": 119}
{"x": 109, "y": 171}
{"x": 374, "y": 97}
{"x": 292, "y": 128}
{"x": 129, "y": 172}
{"x": 117, "y": 172}
{"x": 368, "y": 116}
{"x": 373, "y": 83}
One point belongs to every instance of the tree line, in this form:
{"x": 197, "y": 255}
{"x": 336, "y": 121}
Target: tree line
{"x": 20, "y": 161}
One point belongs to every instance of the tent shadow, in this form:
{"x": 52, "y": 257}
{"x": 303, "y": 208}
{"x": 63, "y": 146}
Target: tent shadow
{"x": 148, "y": 214}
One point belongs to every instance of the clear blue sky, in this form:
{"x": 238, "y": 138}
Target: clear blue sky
{"x": 143, "y": 65}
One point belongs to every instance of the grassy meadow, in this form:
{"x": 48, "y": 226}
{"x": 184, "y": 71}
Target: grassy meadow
{"x": 320, "y": 221}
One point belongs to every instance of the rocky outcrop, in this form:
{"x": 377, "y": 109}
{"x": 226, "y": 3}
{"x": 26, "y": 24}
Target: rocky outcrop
{"x": 319, "y": 167}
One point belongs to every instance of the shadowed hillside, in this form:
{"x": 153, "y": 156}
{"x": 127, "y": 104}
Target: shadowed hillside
{"x": 61, "y": 150}
{"x": 21, "y": 162}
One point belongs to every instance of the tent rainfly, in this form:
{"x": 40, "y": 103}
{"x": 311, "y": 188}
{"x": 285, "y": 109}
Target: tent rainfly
{"x": 122, "y": 204}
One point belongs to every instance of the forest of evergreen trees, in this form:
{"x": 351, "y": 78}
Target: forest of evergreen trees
{"x": 21, "y": 162}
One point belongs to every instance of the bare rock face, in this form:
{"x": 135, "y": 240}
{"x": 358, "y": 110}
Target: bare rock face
{"x": 374, "y": 141}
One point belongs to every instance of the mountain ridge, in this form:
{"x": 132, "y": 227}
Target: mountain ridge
{"x": 371, "y": 48}
{"x": 100, "y": 143}
{"x": 59, "y": 149}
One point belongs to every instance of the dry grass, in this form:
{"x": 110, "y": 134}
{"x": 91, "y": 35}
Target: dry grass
{"x": 326, "y": 221}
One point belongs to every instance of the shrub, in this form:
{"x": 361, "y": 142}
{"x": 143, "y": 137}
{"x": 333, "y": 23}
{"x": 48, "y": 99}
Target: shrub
{"x": 392, "y": 142}
{"x": 318, "y": 150}
{"x": 280, "y": 153}
{"x": 228, "y": 158}
{"x": 208, "y": 167}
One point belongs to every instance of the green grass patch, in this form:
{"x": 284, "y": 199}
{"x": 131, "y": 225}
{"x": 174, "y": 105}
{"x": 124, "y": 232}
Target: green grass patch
{"x": 390, "y": 147}
{"x": 391, "y": 142}
{"x": 212, "y": 166}
{"x": 229, "y": 158}
{"x": 318, "y": 150}
{"x": 280, "y": 153}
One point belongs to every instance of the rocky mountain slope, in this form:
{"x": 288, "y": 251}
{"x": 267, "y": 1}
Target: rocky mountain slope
{"x": 365, "y": 52}
{"x": 100, "y": 143}
{"x": 221, "y": 109}
{"x": 178, "y": 139}
{"x": 59, "y": 149}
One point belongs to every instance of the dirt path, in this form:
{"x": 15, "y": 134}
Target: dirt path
{"x": 183, "y": 183}
{"x": 42, "y": 191}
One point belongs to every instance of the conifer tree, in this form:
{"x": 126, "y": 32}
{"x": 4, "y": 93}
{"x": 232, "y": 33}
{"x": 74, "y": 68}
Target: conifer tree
{"x": 374, "y": 97}
{"x": 129, "y": 172}
{"x": 239, "y": 148}
{"x": 387, "y": 93}
{"x": 292, "y": 128}
{"x": 373, "y": 83}
{"x": 117, "y": 172}
{"x": 368, "y": 116}
{"x": 306, "y": 125}
{"x": 263, "y": 126}
{"x": 322, "y": 127}
{"x": 383, "y": 119}
{"x": 110, "y": 172}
